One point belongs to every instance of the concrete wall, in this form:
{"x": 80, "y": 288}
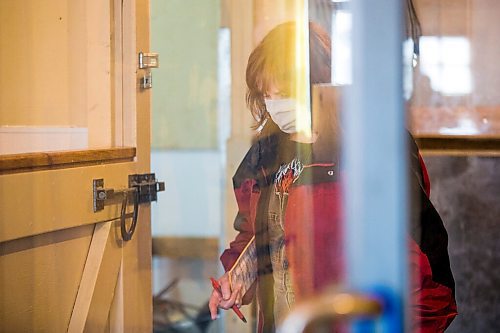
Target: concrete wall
{"x": 185, "y": 33}
{"x": 466, "y": 193}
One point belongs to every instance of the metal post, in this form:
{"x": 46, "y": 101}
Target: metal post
{"x": 375, "y": 156}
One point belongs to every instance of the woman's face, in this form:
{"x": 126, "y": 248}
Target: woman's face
{"x": 273, "y": 92}
{"x": 281, "y": 108}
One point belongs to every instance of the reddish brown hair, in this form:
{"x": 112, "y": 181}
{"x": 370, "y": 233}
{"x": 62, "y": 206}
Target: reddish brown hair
{"x": 272, "y": 63}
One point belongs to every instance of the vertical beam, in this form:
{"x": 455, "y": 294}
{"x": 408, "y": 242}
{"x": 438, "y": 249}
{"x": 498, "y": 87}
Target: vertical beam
{"x": 374, "y": 153}
{"x": 239, "y": 15}
{"x": 117, "y": 73}
{"x": 135, "y": 296}
{"x": 130, "y": 73}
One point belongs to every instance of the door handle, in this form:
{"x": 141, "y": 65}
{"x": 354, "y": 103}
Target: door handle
{"x": 127, "y": 233}
{"x": 142, "y": 188}
{"x": 331, "y": 308}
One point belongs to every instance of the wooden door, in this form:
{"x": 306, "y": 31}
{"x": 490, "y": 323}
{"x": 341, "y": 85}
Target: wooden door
{"x": 64, "y": 267}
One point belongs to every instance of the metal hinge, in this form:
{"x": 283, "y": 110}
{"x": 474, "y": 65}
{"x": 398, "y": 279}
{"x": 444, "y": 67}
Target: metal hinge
{"x": 149, "y": 60}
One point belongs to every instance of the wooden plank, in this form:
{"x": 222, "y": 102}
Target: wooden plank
{"x": 15, "y": 163}
{"x": 482, "y": 145}
{"x": 89, "y": 278}
{"x": 186, "y": 247}
{"x": 136, "y": 290}
{"x": 57, "y": 199}
{"x": 93, "y": 301}
{"x": 106, "y": 284}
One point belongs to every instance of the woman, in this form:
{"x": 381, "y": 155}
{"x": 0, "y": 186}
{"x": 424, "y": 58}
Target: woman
{"x": 271, "y": 84}
{"x": 287, "y": 172}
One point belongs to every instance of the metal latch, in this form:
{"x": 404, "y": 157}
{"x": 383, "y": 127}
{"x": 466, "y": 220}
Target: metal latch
{"x": 148, "y": 60}
{"x": 143, "y": 188}
{"x": 147, "y": 186}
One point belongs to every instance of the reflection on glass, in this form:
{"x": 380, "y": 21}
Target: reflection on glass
{"x": 341, "y": 47}
{"x": 453, "y": 83}
{"x": 446, "y": 61}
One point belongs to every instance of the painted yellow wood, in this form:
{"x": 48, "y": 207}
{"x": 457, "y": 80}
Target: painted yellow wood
{"x": 135, "y": 298}
{"x": 117, "y": 73}
{"x": 130, "y": 75}
{"x": 105, "y": 288}
{"x": 89, "y": 278}
{"x": 136, "y": 279}
{"x": 97, "y": 286}
{"x": 98, "y": 84}
{"x": 39, "y": 278}
{"x": 44, "y": 213}
{"x": 43, "y": 56}
{"x": 53, "y": 200}
{"x": 116, "y": 312}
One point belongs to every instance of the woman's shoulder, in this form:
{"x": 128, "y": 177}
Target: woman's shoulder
{"x": 262, "y": 155}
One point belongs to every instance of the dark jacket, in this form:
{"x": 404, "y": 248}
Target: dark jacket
{"x": 313, "y": 228}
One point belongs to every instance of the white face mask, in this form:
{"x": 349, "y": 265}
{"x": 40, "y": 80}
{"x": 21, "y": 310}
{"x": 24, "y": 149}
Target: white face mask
{"x": 282, "y": 112}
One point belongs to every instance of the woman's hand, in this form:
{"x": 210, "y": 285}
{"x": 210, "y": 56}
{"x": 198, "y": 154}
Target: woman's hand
{"x": 227, "y": 300}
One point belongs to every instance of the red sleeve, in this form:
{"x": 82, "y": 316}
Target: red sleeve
{"x": 246, "y": 199}
{"x": 425, "y": 176}
{"x": 433, "y": 304}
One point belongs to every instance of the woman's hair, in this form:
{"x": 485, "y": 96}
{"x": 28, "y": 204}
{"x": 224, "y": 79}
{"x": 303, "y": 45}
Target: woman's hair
{"x": 272, "y": 63}
{"x": 413, "y": 27}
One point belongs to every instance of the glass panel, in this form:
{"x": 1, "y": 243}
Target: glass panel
{"x": 190, "y": 126}
{"x": 279, "y": 192}
{"x": 456, "y": 72}
{"x": 455, "y": 94}
{"x": 50, "y": 81}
